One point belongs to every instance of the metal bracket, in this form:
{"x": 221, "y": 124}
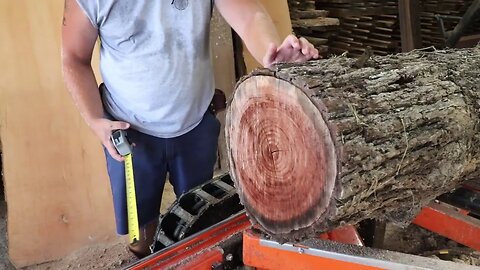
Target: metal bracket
{"x": 452, "y": 37}
{"x": 440, "y": 19}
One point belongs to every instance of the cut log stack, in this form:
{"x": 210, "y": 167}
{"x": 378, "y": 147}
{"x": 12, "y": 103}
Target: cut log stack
{"x": 370, "y": 23}
{"x": 380, "y": 32}
{"x": 364, "y": 24}
{"x": 346, "y": 8}
{"x": 312, "y": 23}
{"x": 360, "y": 23}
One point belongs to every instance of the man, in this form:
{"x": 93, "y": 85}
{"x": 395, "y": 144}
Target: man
{"x": 158, "y": 84}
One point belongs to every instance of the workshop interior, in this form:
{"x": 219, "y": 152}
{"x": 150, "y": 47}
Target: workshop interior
{"x": 366, "y": 158}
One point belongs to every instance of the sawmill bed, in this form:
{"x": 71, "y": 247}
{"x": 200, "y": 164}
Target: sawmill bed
{"x": 410, "y": 240}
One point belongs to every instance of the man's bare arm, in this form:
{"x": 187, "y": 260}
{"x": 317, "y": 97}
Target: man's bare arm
{"x": 78, "y": 41}
{"x": 253, "y": 24}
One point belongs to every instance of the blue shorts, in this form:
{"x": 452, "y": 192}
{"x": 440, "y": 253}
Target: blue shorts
{"x": 189, "y": 159}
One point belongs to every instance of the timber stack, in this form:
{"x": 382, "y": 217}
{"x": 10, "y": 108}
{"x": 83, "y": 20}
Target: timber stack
{"x": 312, "y": 23}
{"x": 330, "y": 142}
{"x": 363, "y": 24}
{"x": 376, "y": 24}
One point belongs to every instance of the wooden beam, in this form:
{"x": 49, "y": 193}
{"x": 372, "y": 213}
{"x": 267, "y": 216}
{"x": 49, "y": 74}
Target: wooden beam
{"x": 409, "y": 24}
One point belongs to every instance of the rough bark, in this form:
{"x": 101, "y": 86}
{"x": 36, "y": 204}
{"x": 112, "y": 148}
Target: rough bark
{"x": 317, "y": 145}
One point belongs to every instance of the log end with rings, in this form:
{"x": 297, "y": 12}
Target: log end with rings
{"x": 282, "y": 155}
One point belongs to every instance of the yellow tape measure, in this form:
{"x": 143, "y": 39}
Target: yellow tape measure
{"x": 132, "y": 214}
{"x": 123, "y": 147}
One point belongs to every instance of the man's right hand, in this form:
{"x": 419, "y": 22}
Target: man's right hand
{"x": 104, "y": 128}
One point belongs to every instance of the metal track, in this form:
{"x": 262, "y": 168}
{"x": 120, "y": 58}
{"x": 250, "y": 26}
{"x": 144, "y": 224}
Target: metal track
{"x": 320, "y": 254}
{"x": 196, "y": 210}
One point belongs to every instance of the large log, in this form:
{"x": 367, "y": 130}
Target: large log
{"x": 317, "y": 145}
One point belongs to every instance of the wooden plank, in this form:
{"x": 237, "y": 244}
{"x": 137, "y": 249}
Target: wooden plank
{"x": 54, "y": 170}
{"x": 307, "y": 14}
{"x": 409, "y": 24}
{"x": 320, "y": 23}
{"x": 362, "y": 24}
{"x": 57, "y": 189}
{"x": 278, "y": 10}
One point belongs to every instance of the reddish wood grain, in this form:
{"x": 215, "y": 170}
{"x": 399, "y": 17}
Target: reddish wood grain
{"x": 283, "y": 180}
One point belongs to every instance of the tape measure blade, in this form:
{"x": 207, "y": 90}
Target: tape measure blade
{"x": 132, "y": 214}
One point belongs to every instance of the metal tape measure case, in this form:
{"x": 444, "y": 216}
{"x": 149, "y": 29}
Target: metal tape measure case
{"x": 124, "y": 148}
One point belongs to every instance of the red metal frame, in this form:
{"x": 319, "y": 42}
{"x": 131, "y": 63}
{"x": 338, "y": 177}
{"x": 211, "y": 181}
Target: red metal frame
{"x": 347, "y": 235}
{"x": 266, "y": 258}
{"x": 199, "y": 252}
{"x": 202, "y": 251}
{"x": 451, "y": 222}
{"x": 202, "y": 261}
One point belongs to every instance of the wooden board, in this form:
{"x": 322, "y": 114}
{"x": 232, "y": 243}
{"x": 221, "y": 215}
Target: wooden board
{"x": 313, "y": 24}
{"x": 56, "y": 186}
{"x": 409, "y": 24}
{"x": 278, "y": 10}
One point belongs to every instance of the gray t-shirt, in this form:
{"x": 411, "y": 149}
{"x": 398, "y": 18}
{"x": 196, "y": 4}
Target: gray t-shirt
{"x": 155, "y": 62}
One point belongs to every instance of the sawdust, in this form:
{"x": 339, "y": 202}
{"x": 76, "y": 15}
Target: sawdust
{"x": 418, "y": 241}
{"x": 112, "y": 256}
{"x": 414, "y": 240}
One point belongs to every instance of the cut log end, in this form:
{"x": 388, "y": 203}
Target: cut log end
{"x": 282, "y": 154}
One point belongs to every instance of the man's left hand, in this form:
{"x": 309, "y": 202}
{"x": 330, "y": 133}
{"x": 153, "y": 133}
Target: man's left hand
{"x": 292, "y": 50}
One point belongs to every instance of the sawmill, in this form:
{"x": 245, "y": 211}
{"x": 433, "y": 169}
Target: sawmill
{"x": 240, "y": 134}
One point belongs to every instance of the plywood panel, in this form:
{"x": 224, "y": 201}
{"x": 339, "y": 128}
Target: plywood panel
{"x": 56, "y": 186}
{"x": 278, "y": 10}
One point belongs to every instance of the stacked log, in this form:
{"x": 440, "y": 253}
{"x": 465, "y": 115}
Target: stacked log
{"x": 360, "y": 24}
{"x": 364, "y": 24}
{"x": 372, "y": 23}
{"x": 313, "y": 24}
{"x": 380, "y": 32}
{"x": 347, "y": 8}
